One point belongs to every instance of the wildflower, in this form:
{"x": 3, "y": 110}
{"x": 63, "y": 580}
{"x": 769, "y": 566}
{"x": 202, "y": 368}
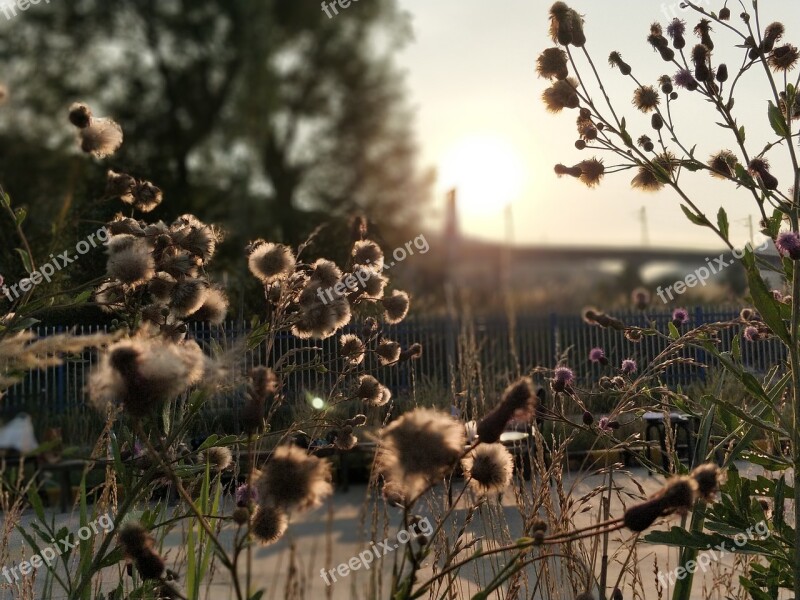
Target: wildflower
{"x": 367, "y": 252}
{"x": 412, "y": 352}
{"x": 680, "y": 316}
{"x": 645, "y": 98}
{"x": 326, "y": 273}
{"x": 388, "y": 352}
{"x": 723, "y": 164}
{"x": 592, "y": 171}
{"x": 143, "y": 373}
{"x": 676, "y": 30}
{"x": 759, "y": 168}
{"x": 552, "y": 64}
{"x": 660, "y": 43}
{"x": 598, "y": 355}
{"x": 646, "y": 180}
{"x": 628, "y": 367}
{"x": 615, "y": 60}
{"x": 80, "y": 115}
{"x": 751, "y": 334}
{"x": 562, "y": 94}
{"x": 586, "y": 129}
{"x": 645, "y": 143}
{"x": 137, "y": 546}
{"x": 703, "y": 31}
{"x": 317, "y": 319}
{"x": 788, "y": 244}
{"x": 633, "y": 335}
{"x": 563, "y": 377}
{"x": 707, "y": 478}
{"x": 666, "y": 84}
{"x": 214, "y": 308}
{"x": 566, "y": 25}
{"x": 420, "y": 448}
{"x": 784, "y": 58}
{"x": 372, "y": 391}
{"x": 396, "y": 307}
{"x": 246, "y": 495}
{"x": 344, "y": 439}
{"x": 270, "y": 262}
{"x": 772, "y": 34}
{"x": 101, "y": 138}
{"x": 489, "y": 468}
{"x": 352, "y": 349}
{"x": 700, "y": 59}
{"x": 269, "y": 523}
{"x": 373, "y": 285}
{"x": 640, "y": 298}
{"x": 517, "y": 398}
{"x": 684, "y": 79}
{"x": 200, "y": 240}
{"x": 291, "y": 478}
{"x": 132, "y": 265}
{"x": 188, "y": 296}
{"x": 678, "y": 496}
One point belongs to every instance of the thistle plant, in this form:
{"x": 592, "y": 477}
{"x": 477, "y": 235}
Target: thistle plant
{"x": 660, "y": 157}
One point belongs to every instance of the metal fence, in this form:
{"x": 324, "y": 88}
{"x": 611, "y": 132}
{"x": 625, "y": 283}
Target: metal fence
{"x": 490, "y": 347}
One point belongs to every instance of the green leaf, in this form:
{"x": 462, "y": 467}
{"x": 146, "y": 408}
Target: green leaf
{"x": 19, "y": 216}
{"x": 694, "y": 218}
{"x": 722, "y": 222}
{"x": 674, "y": 334}
{"x": 26, "y": 260}
{"x": 777, "y": 121}
{"x": 763, "y": 299}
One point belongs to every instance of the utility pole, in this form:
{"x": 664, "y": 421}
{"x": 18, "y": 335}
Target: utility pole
{"x": 643, "y": 222}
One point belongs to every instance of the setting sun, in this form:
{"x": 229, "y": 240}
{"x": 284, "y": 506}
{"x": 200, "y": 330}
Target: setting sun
{"x": 487, "y": 171}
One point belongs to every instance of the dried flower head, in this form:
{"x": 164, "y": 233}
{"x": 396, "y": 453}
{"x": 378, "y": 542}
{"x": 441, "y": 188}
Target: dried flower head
{"x": 396, "y": 307}
{"x": 80, "y": 115}
{"x": 137, "y": 546}
{"x": 646, "y": 181}
{"x": 420, "y": 448}
{"x": 271, "y": 262}
{"x": 269, "y": 523}
{"x": 615, "y": 60}
{"x": 326, "y": 273}
{"x": 132, "y": 264}
{"x": 518, "y": 400}
{"x": 723, "y": 164}
{"x": 141, "y": 373}
{"x": 566, "y": 25}
{"x": 489, "y": 468}
{"x": 788, "y": 244}
{"x": 371, "y": 391}
{"x": 707, "y": 477}
{"x": 759, "y": 168}
{"x": 646, "y": 98}
{"x": 293, "y": 479}
{"x": 214, "y": 308}
{"x": 352, "y": 349}
{"x": 388, "y": 351}
{"x": 552, "y": 64}
{"x": 592, "y": 171}
{"x": 562, "y": 94}
{"x": 219, "y": 457}
{"x": 703, "y": 31}
{"x": 368, "y": 253}
{"x": 188, "y": 296}
{"x": 784, "y": 58}
{"x": 101, "y": 138}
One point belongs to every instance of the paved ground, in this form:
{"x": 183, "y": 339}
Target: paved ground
{"x": 334, "y": 534}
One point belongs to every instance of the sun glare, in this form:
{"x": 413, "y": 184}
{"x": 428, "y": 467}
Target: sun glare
{"x": 487, "y": 171}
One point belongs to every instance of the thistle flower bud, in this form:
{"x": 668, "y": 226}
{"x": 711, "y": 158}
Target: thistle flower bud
{"x": 588, "y": 419}
{"x": 657, "y": 122}
{"x": 759, "y": 168}
{"x": 725, "y": 14}
{"x": 615, "y": 60}
{"x": 703, "y": 31}
{"x": 722, "y": 73}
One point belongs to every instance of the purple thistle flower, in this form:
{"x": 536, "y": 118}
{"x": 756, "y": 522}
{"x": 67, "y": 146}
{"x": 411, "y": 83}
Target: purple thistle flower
{"x": 604, "y": 424}
{"x": 676, "y": 28}
{"x": 751, "y": 334}
{"x": 562, "y": 378}
{"x": 686, "y": 80}
{"x": 680, "y": 316}
{"x": 788, "y": 244}
{"x": 598, "y": 355}
{"x": 245, "y": 494}
{"x": 628, "y": 366}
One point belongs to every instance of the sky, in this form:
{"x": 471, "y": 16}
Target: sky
{"x": 480, "y": 122}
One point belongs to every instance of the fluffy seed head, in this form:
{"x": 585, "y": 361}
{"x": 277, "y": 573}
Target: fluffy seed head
{"x": 723, "y": 164}
{"x": 132, "y": 265}
{"x": 388, "y": 351}
{"x": 188, "y": 296}
{"x": 214, "y": 308}
{"x": 326, "y": 273}
{"x": 646, "y": 98}
{"x": 293, "y": 479}
{"x": 552, "y": 64}
{"x": 80, "y": 115}
{"x": 271, "y": 262}
{"x": 562, "y": 94}
{"x": 269, "y": 523}
{"x": 368, "y": 253}
{"x": 219, "y": 457}
{"x": 352, "y": 349}
{"x": 396, "y": 307}
{"x": 101, "y": 138}
{"x": 489, "y": 468}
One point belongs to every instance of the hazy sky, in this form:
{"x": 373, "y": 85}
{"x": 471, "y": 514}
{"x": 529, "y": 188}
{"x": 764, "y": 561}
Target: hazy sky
{"x": 471, "y": 76}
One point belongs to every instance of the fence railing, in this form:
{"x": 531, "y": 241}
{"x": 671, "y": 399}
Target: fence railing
{"x": 484, "y": 343}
